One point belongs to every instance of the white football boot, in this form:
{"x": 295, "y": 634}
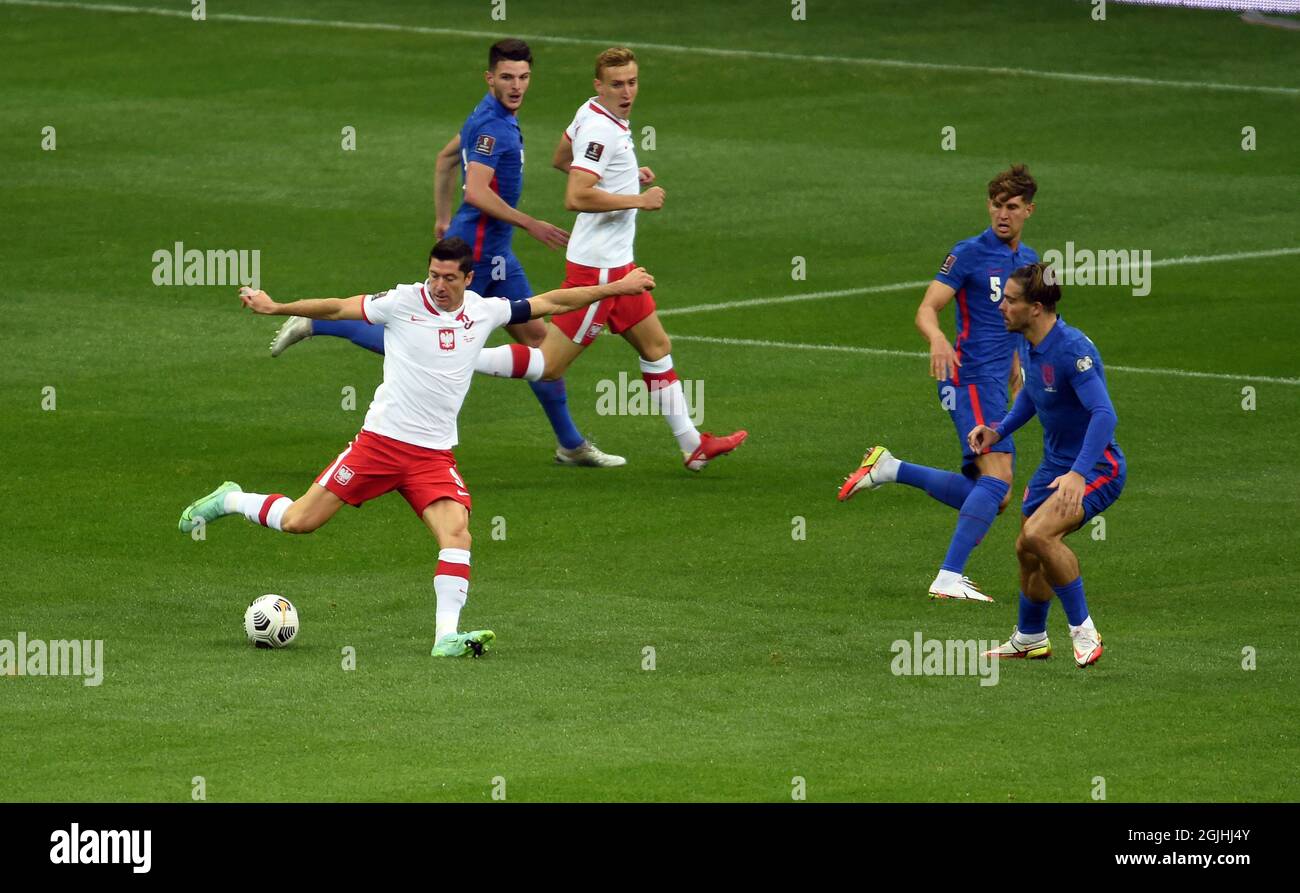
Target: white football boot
{"x": 589, "y": 455}
{"x": 962, "y": 588}
{"x": 1020, "y": 647}
{"x": 1087, "y": 645}
{"x": 291, "y": 331}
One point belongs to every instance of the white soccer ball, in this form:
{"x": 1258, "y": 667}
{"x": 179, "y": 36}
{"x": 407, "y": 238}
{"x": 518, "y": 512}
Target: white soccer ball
{"x": 271, "y": 621}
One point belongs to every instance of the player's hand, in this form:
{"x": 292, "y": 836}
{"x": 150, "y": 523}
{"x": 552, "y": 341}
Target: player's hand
{"x": 980, "y": 438}
{"x": 943, "y": 359}
{"x": 1069, "y": 489}
{"x": 646, "y": 176}
{"x": 652, "y": 199}
{"x": 257, "y": 301}
{"x": 440, "y": 229}
{"x": 548, "y": 234}
{"x": 635, "y": 282}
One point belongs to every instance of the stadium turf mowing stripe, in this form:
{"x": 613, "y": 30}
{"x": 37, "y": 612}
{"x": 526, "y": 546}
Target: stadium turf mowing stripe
{"x": 922, "y": 283}
{"x": 718, "y": 52}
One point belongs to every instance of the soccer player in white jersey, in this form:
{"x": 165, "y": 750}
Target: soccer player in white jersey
{"x": 433, "y": 335}
{"x": 604, "y": 186}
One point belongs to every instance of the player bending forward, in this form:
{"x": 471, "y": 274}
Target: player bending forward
{"x": 605, "y": 187}
{"x": 433, "y": 334}
{"x": 1083, "y": 469}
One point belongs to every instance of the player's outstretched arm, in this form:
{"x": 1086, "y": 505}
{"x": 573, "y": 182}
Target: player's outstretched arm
{"x": 565, "y": 299}
{"x": 444, "y": 186}
{"x": 313, "y": 308}
{"x": 943, "y": 359}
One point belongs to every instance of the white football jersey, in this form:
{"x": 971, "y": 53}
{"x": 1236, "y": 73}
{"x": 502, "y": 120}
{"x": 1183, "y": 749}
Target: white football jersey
{"x": 428, "y": 361}
{"x": 602, "y": 144}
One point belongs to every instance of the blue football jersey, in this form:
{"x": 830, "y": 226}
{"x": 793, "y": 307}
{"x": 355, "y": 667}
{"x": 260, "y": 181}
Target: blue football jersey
{"x": 977, "y": 268}
{"x": 1064, "y": 360}
{"x": 490, "y": 136}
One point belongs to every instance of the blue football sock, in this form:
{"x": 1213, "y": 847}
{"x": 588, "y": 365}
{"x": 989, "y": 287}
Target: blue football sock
{"x": 1071, "y": 596}
{"x": 1033, "y": 616}
{"x": 555, "y": 400}
{"x": 945, "y": 486}
{"x": 357, "y": 331}
{"x": 977, "y": 514}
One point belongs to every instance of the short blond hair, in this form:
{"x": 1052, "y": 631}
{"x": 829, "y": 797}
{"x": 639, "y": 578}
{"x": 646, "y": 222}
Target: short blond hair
{"x": 614, "y": 57}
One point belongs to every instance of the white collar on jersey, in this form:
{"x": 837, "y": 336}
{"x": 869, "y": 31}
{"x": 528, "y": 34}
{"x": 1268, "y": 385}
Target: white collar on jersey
{"x": 457, "y": 315}
{"x": 595, "y": 106}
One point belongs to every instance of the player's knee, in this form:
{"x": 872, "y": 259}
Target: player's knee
{"x": 1026, "y": 552}
{"x": 657, "y": 349}
{"x": 554, "y": 368}
{"x": 297, "y": 522}
{"x": 1035, "y": 543}
{"x": 455, "y": 538}
{"x": 530, "y": 334}
{"x": 1006, "y": 501}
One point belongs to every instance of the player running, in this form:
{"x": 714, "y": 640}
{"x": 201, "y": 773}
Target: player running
{"x": 604, "y": 186}
{"x": 973, "y": 380}
{"x": 490, "y": 153}
{"x": 1083, "y": 469}
{"x": 433, "y": 334}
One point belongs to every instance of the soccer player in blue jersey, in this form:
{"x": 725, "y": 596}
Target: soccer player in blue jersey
{"x": 974, "y": 378}
{"x": 489, "y": 149}
{"x": 1083, "y": 469}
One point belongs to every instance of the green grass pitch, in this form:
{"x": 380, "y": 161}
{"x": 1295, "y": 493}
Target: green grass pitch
{"x": 772, "y": 653}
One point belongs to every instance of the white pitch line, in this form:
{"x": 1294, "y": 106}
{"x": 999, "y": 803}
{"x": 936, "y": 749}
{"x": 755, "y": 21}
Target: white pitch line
{"x": 916, "y": 354}
{"x": 1125, "y": 80}
{"x": 790, "y": 299}
{"x": 922, "y": 283}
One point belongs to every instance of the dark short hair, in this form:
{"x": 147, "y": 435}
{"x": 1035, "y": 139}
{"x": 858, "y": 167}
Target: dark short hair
{"x": 1040, "y": 285}
{"x": 511, "y": 48}
{"x": 454, "y": 249}
{"x": 1015, "y": 180}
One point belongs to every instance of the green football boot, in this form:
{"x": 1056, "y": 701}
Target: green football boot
{"x": 209, "y": 508}
{"x": 476, "y": 643}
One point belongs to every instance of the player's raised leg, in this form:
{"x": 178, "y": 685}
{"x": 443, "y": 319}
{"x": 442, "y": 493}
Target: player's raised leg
{"x": 880, "y": 466}
{"x": 448, "y": 521}
{"x": 667, "y": 398}
{"x": 297, "y": 328}
{"x": 275, "y": 510}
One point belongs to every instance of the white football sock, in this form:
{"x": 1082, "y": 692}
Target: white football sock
{"x": 258, "y": 507}
{"x": 511, "y": 361}
{"x": 1087, "y": 624}
{"x": 668, "y": 400}
{"x": 886, "y": 470}
{"x": 451, "y": 586}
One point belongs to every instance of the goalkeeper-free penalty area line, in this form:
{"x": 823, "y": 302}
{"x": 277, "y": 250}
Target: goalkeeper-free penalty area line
{"x": 922, "y": 283}
{"x": 904, "y": 64}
